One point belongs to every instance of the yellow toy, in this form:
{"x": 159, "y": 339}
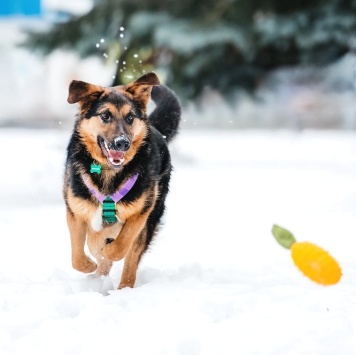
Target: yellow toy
{"x": 313, "y": 261}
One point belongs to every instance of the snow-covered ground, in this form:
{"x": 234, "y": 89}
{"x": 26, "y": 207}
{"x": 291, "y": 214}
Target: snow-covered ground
{"x": 214, "y": 282}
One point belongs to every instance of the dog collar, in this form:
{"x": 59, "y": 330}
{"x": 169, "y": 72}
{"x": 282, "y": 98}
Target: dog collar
{"x": 109, "y": 202}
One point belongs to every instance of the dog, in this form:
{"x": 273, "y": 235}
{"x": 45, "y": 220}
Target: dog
{"x": 117, "y": 172}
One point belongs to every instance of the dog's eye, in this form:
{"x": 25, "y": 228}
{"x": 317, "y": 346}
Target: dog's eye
{"x": 129, "y": 118}
{"x": 105, "y": 116}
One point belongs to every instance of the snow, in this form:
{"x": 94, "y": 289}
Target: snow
{"x": 78, "y": 7}
{"x": 214, "y": 280}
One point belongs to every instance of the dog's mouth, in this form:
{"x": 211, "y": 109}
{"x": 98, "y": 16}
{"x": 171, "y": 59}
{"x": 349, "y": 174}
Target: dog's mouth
{"x": 114, "y": 157}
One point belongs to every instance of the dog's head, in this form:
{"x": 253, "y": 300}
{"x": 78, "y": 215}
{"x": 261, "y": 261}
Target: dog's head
{"x": 112, "y": 122}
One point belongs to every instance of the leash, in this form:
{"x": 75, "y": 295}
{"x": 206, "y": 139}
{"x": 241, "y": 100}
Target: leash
{"x": 109, "y": 202}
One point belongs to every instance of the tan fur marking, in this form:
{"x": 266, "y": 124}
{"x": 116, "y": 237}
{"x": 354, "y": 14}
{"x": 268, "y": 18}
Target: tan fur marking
{"x": 124, "y": 110}
{"x": 81, "y": 208}
{"x": 139, "y": 130}
{"x": 118, "y": 112}
{"x": 126, "y": 210}
{"x": 88, "y": 131}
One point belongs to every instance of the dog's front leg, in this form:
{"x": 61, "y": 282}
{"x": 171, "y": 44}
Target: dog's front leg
{"x": 118, "y": 248}
{"x": 78, "y": 231}
{"x": 132, "y": 260}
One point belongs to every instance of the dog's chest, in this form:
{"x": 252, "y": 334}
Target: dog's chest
{"x": 97, "y": 221}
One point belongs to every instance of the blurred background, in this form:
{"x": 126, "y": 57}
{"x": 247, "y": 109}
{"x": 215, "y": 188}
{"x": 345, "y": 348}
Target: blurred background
{"x": 233, "y": 63}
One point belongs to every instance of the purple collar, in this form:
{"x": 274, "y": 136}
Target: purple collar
{"x": 117, "y": 196}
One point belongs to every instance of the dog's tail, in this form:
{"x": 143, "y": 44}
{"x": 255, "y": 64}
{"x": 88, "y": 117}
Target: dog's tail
{"x": 166, "y": 115}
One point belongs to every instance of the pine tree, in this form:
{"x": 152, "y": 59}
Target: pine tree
{"x": 223, "y": 44}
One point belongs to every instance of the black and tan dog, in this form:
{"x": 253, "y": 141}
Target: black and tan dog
{"x": 117, "y": 172}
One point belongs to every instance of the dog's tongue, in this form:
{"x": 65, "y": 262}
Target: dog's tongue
{"x": 116, "y": 155}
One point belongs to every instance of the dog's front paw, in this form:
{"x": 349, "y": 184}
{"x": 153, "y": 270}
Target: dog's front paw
{"x": 85, "y": 265}
{"x": 110, "y": 252}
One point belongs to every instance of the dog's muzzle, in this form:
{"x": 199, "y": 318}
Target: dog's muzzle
{"x": 115, "y": 150}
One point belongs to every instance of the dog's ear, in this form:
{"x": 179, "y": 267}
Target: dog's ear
{"x": 140, "y": 89}
{"x": 79, "y": 90}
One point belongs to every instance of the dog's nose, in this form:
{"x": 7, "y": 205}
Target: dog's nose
{"x": 122, "y": 143}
